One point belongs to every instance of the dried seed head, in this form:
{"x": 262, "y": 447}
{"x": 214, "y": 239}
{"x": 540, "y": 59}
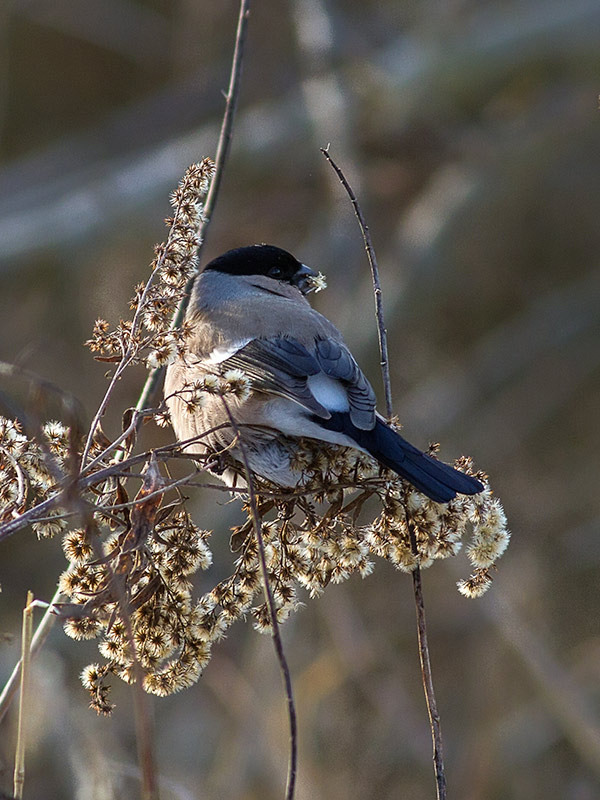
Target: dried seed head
{"x": 50, "y": 526}
{"x": 57, "y": 436}
{"x": 316, "y": 283}
{"x": 479, "y": 582}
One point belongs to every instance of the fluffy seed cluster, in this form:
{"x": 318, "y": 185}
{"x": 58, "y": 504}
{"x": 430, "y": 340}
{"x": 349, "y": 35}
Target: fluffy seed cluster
{"x": 150, "y": 337}
{"x": 132, "y": 588}
{"x": 129, "y": 574}
{"x": 321, "y": 536}
{"x": 30, "y": 471}
{"x": 231, "y": 382}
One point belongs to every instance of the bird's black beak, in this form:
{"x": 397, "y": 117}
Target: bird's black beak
{"x": 300, "y": 279}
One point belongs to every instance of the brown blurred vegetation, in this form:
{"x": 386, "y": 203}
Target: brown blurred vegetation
{"x": 471, "y": 133}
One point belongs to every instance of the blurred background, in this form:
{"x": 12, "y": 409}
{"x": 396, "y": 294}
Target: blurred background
{"x": 470, "y": 132}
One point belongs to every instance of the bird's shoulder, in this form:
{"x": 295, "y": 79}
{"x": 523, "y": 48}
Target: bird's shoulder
{"x": 228, "y": 309}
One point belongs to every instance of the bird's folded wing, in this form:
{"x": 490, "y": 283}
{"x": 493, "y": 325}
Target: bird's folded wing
{"x": 279, "y": 366}
{"x": 338, "y": 362}
{"x": 283, "y": 367}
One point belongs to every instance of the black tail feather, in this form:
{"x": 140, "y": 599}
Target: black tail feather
{"x": 437, "y": 480}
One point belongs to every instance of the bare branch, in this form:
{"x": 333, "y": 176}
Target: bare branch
{"x": 231, "y": 98}
{"x": 426, "y": 674}
{"x": 225, "y": 136}
{"x": 381, "y": 330}
{"x": 285, "y": 670}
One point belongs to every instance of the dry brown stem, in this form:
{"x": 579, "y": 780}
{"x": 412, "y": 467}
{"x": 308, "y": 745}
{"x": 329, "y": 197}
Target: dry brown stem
{"x": 426, "y": 674}
{"x": 19, "y": 775}
{"x": 270, "y": 600}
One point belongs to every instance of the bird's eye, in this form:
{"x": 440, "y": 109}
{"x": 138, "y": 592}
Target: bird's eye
{"x": 274, "y": 272}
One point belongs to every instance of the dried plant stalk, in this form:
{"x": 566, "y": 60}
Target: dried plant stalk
{"x": 377, "y": 291}
{"x": 19, "y": 774}
{"x": 275, "y": 633}
{"x": 424, "y": 659}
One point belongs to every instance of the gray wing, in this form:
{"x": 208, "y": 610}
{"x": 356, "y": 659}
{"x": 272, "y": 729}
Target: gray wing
{"x": 279, "y": 366}
{"x": 283, "y": 367}
{"x": 338, "y": 362}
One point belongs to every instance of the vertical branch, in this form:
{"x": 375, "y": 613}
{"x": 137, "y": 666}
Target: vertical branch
{"x": 225, "y": 136}
{"x": 144, "y": 727}
{"x": 426, "y": 673}
{"x": 283, "y": 665}
{"x": 381, "y": 329}
{"x": 19, "y": 774}
{"x": 231, "y": 99}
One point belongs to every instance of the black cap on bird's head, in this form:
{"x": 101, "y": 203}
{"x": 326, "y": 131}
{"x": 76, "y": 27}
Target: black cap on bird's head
{"x": 263, "y": 259}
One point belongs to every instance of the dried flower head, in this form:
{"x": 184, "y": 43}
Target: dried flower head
{"x": 12, "y": 439}
{"x": 164, "y": 350}
{"x": 148, "y": 337}
{"x": 315, "y": 283}
{"x": 132, "y": 588}
{"x": 30, "y": 470}
{"x": 57, "y": 436}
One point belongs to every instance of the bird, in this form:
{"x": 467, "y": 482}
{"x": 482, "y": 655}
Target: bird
{"x": 248, "y": 312}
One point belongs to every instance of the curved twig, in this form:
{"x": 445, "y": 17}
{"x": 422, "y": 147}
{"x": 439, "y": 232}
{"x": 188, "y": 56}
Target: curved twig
{"x": 426, "y": 674}
{"x": 381, "y": 329}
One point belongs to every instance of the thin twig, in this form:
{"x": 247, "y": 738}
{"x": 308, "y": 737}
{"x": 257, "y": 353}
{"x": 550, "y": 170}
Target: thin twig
{"x": 283, "y": 665}
{"x": 426, "y": 673}
{"x": 225, "y": 136}
{"x": 40, "y": 511}
{"x": 231, "y": 99}
{"x": 19, "y": 774}
{"x": 381, "y": 329}
{"x": 124, "y": 363}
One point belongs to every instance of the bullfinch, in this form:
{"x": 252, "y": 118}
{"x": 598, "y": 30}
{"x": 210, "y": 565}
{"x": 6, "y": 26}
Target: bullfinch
{"x": 248, "y": 311}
